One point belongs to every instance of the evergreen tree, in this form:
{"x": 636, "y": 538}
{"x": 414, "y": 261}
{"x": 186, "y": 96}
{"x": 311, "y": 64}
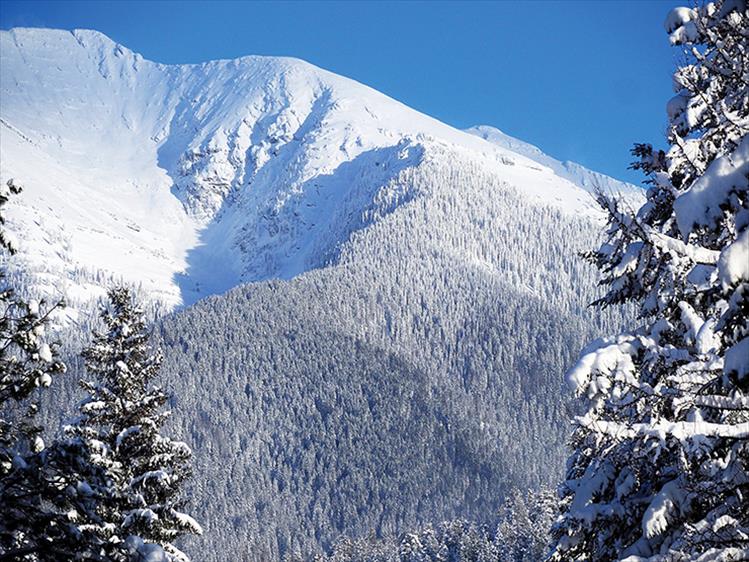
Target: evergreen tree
{"x": 26, "y": 361}
{"x": 660, "y": 468}
{"x": 45, "y": 492}
{"x": 120, "y": 420}
{"x": 523, "y": 528}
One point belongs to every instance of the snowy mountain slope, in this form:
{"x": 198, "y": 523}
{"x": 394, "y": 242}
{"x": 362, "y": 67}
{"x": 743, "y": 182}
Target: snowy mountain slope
{"x": 190, "y": 179}
{"x": 417, "y": 380}
{"x": 571, "y": 171}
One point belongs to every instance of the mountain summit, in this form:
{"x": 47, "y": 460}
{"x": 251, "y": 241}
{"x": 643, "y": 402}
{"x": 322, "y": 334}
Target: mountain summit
{"x": 189, "y": 179}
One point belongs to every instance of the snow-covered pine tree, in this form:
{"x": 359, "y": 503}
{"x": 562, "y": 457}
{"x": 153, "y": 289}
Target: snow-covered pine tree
{"x": 660, "y": 468}
{"x": 121, "y": 419}
{"x": 524, "y": 521}
{"x": 44, "y": 491}
{"x": 26, "y": 361}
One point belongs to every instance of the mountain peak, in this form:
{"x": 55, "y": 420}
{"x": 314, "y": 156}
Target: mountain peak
{"x": 189, "y": 179}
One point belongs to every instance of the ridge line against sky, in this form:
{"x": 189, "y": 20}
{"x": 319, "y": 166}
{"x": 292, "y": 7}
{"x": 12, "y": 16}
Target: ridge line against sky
{"x": 581, "y": 80}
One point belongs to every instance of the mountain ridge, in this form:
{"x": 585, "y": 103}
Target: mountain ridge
{"x": 211, "y": 174}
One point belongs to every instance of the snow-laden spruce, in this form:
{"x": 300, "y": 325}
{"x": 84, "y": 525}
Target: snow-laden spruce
{"x": 120, "y": 421}
{"x": 660, "y": 469}
{"x": 27, "y": 362}
{"x": 80, "y": 498}
{"x": 45, "y": 491}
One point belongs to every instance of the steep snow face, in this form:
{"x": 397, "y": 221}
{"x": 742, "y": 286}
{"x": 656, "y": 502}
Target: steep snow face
{"x": 190, "y": 179}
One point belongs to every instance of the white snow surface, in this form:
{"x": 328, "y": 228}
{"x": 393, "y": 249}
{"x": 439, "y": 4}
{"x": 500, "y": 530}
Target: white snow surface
{"x": 663, "y": 508}
{"x": 571, "y": 171}
{"x": 733, "y": 265}
{"x": 737, "y": 359}
{"x": 701, "y": 204}
{"x": 145, "y": 552}
{"x": 187, "y": 522}
{"x": 680, "y": 25}
{"x": 190, "y": 179}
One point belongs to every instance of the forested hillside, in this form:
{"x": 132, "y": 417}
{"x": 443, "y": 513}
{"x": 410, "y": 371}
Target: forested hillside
{"x": 403, "y": 386}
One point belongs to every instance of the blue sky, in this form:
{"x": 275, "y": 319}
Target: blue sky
{"x": 581, "y": 80}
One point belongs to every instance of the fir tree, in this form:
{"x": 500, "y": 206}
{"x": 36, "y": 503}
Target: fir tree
{"x": 121, "y": 421}
{"x": 26, "y": 361}
{"x": 524, "y": 522}
{"x": 45, "y": 492}
{"x": 660, "y": 469}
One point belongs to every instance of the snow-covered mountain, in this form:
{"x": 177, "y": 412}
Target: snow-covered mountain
{"x": 413, "y": 291}
{"x": 191, "y": 179}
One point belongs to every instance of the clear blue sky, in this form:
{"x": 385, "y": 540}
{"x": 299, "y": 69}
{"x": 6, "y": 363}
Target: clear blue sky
{"x": 582, "y": 80}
